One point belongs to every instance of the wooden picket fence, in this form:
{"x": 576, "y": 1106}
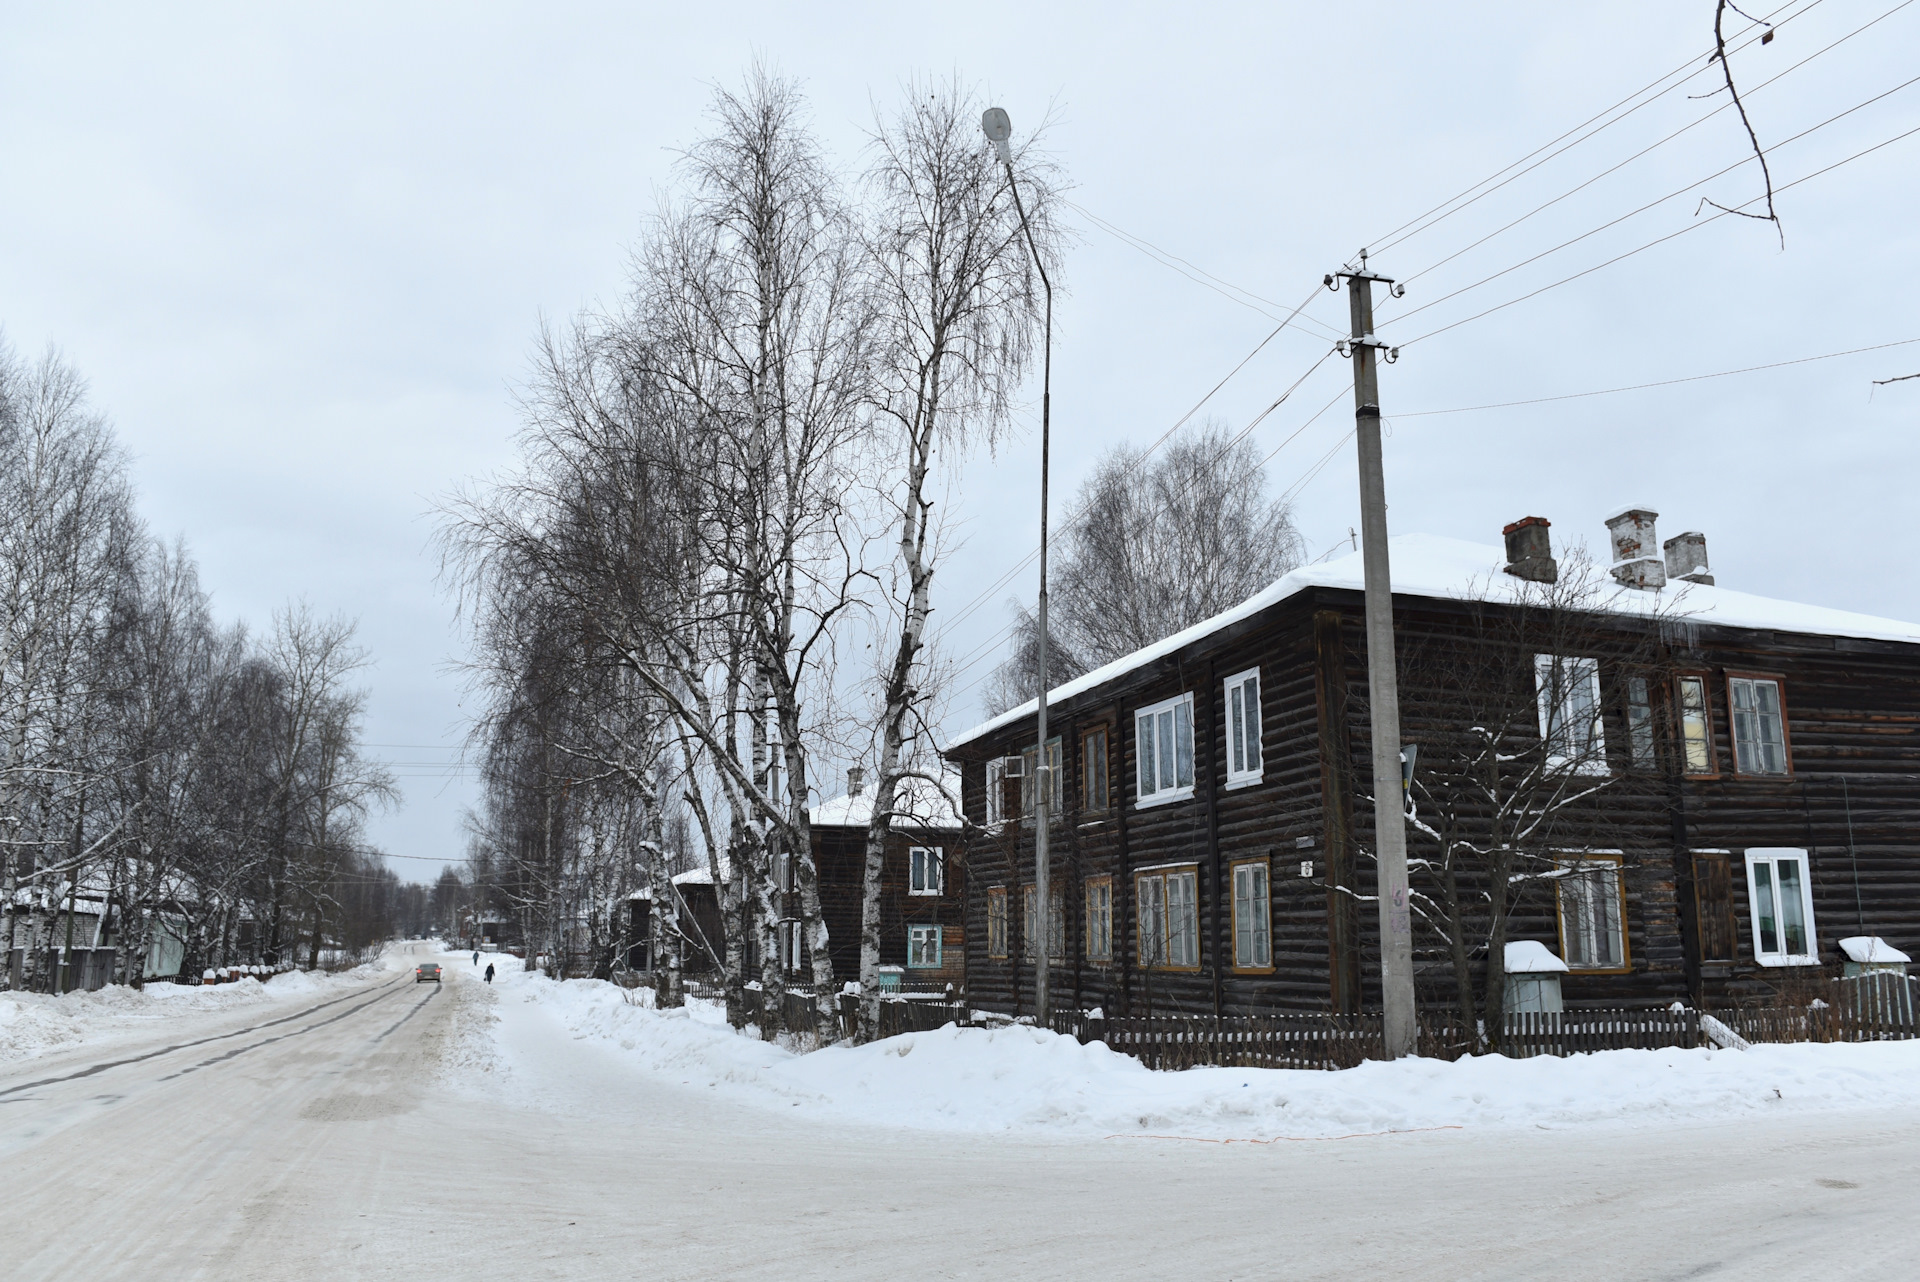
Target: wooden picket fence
{"x": 1877, "y": 1007}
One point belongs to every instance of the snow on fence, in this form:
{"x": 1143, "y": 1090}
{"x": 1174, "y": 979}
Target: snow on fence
{"x": 1530, "y": 1033}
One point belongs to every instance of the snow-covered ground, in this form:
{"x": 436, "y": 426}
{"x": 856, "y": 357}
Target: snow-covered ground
{"x": 34, "y": 1024}
{"x": 1025, "y": 1081}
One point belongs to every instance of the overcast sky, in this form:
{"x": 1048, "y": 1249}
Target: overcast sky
{"x": 301, "y": 251}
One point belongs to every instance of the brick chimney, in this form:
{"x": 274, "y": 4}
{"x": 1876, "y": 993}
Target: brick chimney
{"x": 1634, "y": 543}
{"x": 856, "y": 780}
{"x": 1530, "y": 550}
{"x": 1687, "y": 558}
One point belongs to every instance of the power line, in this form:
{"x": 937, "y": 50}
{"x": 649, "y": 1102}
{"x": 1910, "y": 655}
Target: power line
{"x": 1396, "y": 236}
{"x": 1659, "y": 240}
{"x": 1665, "y": 382}
{"x": 1680, "y": 191}
{"x": 1656, "y": 145}
{"x": 993, "y": 588}
{"x": 1225, "y": 288}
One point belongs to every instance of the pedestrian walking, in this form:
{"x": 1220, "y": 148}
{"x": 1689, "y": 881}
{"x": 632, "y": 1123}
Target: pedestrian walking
{"x": 489, "y": 972}
{"x": 476, "y": 956}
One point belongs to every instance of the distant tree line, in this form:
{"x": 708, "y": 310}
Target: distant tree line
{"x": 168, "y": 785}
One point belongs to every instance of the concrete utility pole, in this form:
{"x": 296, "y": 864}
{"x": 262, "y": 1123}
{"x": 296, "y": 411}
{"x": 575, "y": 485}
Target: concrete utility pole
{"x": 1383, "y": 685}
{"x": 999, "y": 128}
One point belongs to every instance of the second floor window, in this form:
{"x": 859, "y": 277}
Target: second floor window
{"x": 1243, "y": 728}
{"x": 1568, "y": 692}
{"x": 997, "y": 922}
{"x": 1163, "y": 749}
{"x": 1093, "y": 769}
{"x": 1640, "y": 723}
{"x": 996, "y": 791}
{"x": 1696, "y": 727}
{"x": 1031, "y": 779}
{"x": 1759, "y": 726}
{"x": 926, "y": 870}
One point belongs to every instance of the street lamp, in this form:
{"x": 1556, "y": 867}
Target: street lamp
{"x": 998, "y": 128}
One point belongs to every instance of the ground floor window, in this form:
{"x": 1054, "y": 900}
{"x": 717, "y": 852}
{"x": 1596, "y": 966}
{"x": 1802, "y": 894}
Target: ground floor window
{"x": 1056, "y": 923}
{"x": 1592, "y": 930}
{"x": 923, "y": 948}
{"x": 788, "y": 939}
{"x": 1100, "y": 919}
{"x": 997, "y": 922}
{"x": 1169, "y": 918}
{"x": 1780, "y": 895}
{"x": 1252, "y": 917}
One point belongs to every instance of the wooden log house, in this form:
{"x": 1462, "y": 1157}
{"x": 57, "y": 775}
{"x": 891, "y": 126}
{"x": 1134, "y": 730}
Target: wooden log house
{"x": 1211, "y": 855}
{"x": 921, "y": 886}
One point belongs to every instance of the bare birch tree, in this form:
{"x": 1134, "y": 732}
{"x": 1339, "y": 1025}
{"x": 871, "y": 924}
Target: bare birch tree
{"x": 957, "y": 315}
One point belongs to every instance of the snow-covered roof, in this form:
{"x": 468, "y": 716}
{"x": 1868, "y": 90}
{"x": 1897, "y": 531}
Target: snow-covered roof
{"x": 1455, "y": 569}
{"x": 1872, "y": 949}
{"x": 694, "y": 877}
{"x": 918, "y": 803}
{"x": 1531, "y": 957}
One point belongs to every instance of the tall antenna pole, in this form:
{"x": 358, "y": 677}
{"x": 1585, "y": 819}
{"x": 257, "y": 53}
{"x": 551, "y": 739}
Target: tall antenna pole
{"x": 1383, "y": 685}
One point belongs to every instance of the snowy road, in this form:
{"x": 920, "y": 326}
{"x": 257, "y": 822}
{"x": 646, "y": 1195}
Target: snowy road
{"x": 358, "y": 1134}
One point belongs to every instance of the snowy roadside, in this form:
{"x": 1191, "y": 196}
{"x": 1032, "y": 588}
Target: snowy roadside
{"x": 37, "y": 1024}
{"x": 1022, "y": 1080}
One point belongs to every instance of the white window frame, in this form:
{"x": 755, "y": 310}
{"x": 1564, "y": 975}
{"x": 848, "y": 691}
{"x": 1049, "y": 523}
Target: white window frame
{"x": 788, "y": 936}
{"x": 1755, "y": 715}
{"x": 996, "y": 791}
{"x": 1607, "y": 872}
{"x": 1240, "y": 704}
{"x": 783, "y": 872}
{"x": 917, "y": 937}
{"x": 1252, "y": 915}
{"x": 921, "y": 858}
{"x": 1591, "y": 758}
{"x": 1770, "y": 858}
{"x": 1149, "y": 750}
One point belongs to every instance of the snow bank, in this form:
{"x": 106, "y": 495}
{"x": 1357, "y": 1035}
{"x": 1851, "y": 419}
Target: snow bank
{"x": 33, "y": 1024}
{"x": 1021, "y": 1079}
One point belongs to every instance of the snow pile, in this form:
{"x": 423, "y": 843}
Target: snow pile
{"x": 33, "y": 1024}
{"x": 1022, "y": 1079}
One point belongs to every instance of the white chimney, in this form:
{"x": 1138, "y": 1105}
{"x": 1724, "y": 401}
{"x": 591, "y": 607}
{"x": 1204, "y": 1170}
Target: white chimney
{"x": 1687, "y": 558}
{"x": 1636, "y": 563}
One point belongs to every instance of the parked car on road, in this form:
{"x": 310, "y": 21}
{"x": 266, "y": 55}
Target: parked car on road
{"x": 426, "y": 971}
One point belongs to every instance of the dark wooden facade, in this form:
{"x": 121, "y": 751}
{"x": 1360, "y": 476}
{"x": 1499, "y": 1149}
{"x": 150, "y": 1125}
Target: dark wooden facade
{"x": 840, "y": 858}
{"x": 1849, "y": 799}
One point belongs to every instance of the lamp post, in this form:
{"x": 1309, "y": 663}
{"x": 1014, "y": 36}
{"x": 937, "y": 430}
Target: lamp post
{"x": 998, "y": 129}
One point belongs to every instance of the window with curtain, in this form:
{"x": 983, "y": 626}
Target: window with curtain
{"x": 1169, "y": 919}
{"x": 1100, "y": 919}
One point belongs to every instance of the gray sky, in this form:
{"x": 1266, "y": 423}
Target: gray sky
{"x": 301, "y": 252}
